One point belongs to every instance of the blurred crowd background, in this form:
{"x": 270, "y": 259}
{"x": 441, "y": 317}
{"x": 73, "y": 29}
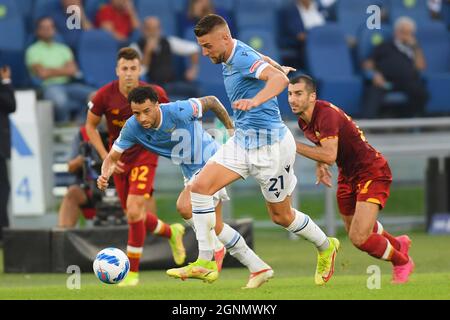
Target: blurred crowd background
{"x": 399, "y": 69}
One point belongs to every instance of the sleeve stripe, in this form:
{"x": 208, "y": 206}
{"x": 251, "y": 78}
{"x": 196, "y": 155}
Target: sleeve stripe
{"x": 330, "y": 137}
{"x": 198, "y": 108}
{"x": 261, "y": 69}
{"x": 255, "y": 65}
{"x": 117, "y": 148}
{"x": 90, "y": 105}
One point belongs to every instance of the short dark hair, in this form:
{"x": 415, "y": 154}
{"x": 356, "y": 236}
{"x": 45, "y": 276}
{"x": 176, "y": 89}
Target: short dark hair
{"x": 309, "y": 82}
{"x": 42, "y": 18}
{"x": 128, "y": 54}
{"x": 141, "y": 94}
{"x": 208, "y": 23}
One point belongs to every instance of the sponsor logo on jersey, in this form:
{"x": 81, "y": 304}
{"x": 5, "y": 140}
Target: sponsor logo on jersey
{"x": 119, "y": 123}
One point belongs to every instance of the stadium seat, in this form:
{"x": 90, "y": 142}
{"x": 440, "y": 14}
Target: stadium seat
{"x": 446, "y": 13}
{"x": 438, "y": 85}
{"x": 327, "y": 52}
{"x": 97, "y": 51}
{"x": 25, "y": 7}
{"x": 227, "y": 5}
{"x": 255, "y": 13}
{"x": 415, "y": 9}
{"x": 12, "y": 28}
{"x": 180, "y": 5}
{"x": 369, "y": 39}
{"x": 16, "y": 61}
{"x": 262, "y": 41}
{"x": 12, "y": 32}
{"x": 91, "y": 8}
{"x": 163, "y": 10}
{"x": 351, "y": 15}
{"x": 44, "y": 7}
{"x": 435, "y": 42}
{"x": 330, "y": 63}
{"x": 9, "y": 8}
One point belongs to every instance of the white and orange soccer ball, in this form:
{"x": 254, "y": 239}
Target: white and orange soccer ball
{"x": 111, "y": 265}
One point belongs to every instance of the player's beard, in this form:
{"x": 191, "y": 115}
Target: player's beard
{"x": 299, "y": 110}
{"x": 220, "y": 59}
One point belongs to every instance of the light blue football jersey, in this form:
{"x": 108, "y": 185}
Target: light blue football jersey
{"x": 261, "y": 125}
{"x": 180, "y": 136}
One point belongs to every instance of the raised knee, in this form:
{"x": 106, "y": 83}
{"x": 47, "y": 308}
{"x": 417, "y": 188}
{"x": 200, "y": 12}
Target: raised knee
{"x": 184, "y": 210}
{"x": 201, "y": 188}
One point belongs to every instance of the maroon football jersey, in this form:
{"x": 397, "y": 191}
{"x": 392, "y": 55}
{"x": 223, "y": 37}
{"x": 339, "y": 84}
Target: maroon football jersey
{"x": 109, "y": 101}
{"x": 355, "y": 155}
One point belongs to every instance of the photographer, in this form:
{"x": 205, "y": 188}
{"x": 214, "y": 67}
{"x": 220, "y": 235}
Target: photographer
{"x": 7, "y": 106}
{"x": 79, "y": 196}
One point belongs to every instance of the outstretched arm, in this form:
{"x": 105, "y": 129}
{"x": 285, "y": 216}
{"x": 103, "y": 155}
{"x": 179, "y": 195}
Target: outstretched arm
{"x": 276, "y": 65}
{"x": 326, "y": 152}
{"x": 276, "y": 82}
{"x": 108, "y": 167}
{"x": 213, "y": 104}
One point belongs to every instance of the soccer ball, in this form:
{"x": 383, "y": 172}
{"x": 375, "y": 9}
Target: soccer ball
{"x": 111, "y": 265}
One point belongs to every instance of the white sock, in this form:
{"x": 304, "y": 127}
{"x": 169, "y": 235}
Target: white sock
{"x": 305, "y": 227}
{"x": 239, "y": 249}
{"x": 217, "y": 244}
{"x": 204, "y": 216}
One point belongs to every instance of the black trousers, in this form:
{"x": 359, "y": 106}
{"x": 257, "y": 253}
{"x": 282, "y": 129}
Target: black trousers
{"x": 417, "y": 99}
{"x": 4, "y": 195}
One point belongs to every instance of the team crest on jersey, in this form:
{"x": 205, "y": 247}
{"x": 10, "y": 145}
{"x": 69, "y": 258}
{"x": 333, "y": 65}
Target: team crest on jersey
{"x": 317, "y": 134}
{"x": 115, "y": 111}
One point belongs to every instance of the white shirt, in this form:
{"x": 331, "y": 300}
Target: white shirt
{"x": 311, "y": 17}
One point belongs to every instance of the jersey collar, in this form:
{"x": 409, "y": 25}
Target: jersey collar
{"x": 232, "y": 52}
{"x": 160, "y": 123}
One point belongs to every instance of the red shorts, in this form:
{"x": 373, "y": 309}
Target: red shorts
{"x": 88, "y": 209}
{"x": 138, "y": 177}
{"x": 371, "y": 185}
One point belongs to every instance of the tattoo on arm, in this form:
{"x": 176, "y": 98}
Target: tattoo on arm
{"x": 273, "y": 63}
{"x": 213, "y": 104}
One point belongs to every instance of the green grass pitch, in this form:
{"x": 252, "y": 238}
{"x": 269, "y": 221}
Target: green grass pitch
{"x": 294, "y": 265}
